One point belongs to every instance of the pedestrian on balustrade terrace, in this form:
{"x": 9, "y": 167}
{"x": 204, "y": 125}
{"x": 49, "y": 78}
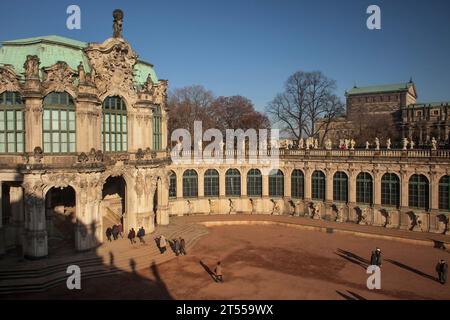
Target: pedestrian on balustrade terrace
{"x": 442, "y": 269}
{"x": 141, "y": 234}
{"x": 108, "y": 233}
{"x": 132, "y": 235}
{"x": 218, "y": 272}
{"x": 162, "y": 244}
{"x": 115, "y": 231}
{"x": 176, "y": 245}
{"x": 182, "y": 246}
{"x": 375, "y": 259}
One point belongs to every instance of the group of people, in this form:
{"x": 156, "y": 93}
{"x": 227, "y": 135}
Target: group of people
{"x": 114, "y": 231}
{"x": 178, "y": 245}
{"x": 441, "y": 267}
{"x": 140, "y": 234}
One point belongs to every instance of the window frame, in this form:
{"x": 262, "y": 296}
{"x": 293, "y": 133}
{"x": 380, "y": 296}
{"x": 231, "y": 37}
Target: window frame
{"x": 16, "y": 107}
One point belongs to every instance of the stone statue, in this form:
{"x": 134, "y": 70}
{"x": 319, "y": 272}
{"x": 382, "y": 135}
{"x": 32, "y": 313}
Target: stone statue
{"x": 405, "y": 143}
{"x": 317, "y": 210}
{"x": 388, "y": 144}
{"x": 81, "y": 73}
{"x": 328, "y": 144}
{"x": 31, "y": 67}
{"x": 190, "y": 206}
{"x": 253, "y": 205}
{"x": 346, "y": 143}
{"x": 377, "y": 144}
{"x": 301, "y": 143}
{"x": 118, "y": 23}
{"x": 148, "y": 85}
{"x": 341, "y": 143}
{"x": 275, "y": 208}
{"x": 411, "y": 144}
{"x": 211, "y": 204}
{"x": 310, "y": 210}
{"x": 340, "y": 214}
{"x": 352, "y": 144}
{"x": 231, "y": 204}
{"x": 316, "y": 144}
{"x": 433, "y": 144}
{"x": 367, "y": 145}
{"x": 365, "y": 213}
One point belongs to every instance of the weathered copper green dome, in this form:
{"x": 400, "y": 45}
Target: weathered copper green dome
{"x": 51, "y": 49}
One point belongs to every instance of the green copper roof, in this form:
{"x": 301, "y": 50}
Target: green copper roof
{"x": 380, "y": 88}
{"x": 51, "y": 49}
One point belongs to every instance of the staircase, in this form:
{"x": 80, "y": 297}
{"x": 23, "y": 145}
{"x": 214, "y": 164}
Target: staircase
{"x": 38, "y": 276}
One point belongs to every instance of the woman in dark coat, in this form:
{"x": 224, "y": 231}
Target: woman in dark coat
{"x": 132, "y": 235}
{"x": 108, "y": 234}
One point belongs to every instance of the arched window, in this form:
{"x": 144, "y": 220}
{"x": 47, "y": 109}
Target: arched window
{"x": 232, "y": 183}
{"x": 190, "y": 184}
{"x": 211, "y": 183}
{"x": 114, "y": 125}
{"x": 12, "y": 123}
{"x": 254, "y": 183}
{"x": 276, "y": 183}
{"x": 172, "y": 185}
{"x": 340, "y": 187}
{"x": 364, "y": 188}
{"x": 444, "y": 193}
{"x": 418, "y": 191}
{"x": 318, "y": 185}
{"x": 157, "y": 132}
{"x": 390, "y": 190}
{"x": 59, "y": 123}
{"x": 297, "y": 184}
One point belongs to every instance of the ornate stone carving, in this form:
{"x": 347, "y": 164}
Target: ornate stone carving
{"x": 82, "y": 157}
{"x": 31, "y": 67}
{"x": 112, "y": 66}
{"x": 140, "y": 154}
{"x": 118, "y": 23}
{"x": 59, "y": 77}
{"x": 38, "y": 154}
{"x": 9, "y": 81}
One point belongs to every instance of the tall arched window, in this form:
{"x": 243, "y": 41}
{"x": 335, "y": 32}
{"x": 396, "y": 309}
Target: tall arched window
{"x": 444, "y": 193}
{"x": 59, "y": 123}
{"x": 418, "y": 191}
{"x": 157, "y": 132}
{"x": 297, "y": 184}
{"x": 276, "y": 183}
{"x": 340, "y": 187}
{"x": 254, "y": 183}
{"x": 390, "y": 190}
{"x": 12, "y": 123}
{"x": 114, "y": 125}
{"x": 190, "y": 184}
{"x": 232, "y": 183}
{"x": 318, "y": 185}
{"x": 172, "y": 185}
{"x": 211, "y": 183}
{"x": 364, "y": 188}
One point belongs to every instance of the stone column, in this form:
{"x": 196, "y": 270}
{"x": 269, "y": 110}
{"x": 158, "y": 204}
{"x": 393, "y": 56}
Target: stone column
{"x": 244, "y": 182}
{"x": 434, "y": 202}
{"x": 17, "y": 216}
{"x": 377, "y": 190}
{"x": 89, "y": 117}
{"x": 179, "y": 174}
{"x": 162, "y": 215}
{"x": 287, "y": 183}
{"x": 404, "y": 205}
{"x": 33, "y": 121}
{"x": 35, "y": 243}
{"x": 329, "y": 175}
{"x": 222, "y": 183}
{"x": 201, "y": 183}
{"x": 87, "y": 222}
{"x": 265, "y": 185}
{"x": 308, "y": 194}
{"x": 352, "y": 195}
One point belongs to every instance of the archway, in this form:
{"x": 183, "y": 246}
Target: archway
{"x": 113, "y": 206}
{"x": 61, "y": 218}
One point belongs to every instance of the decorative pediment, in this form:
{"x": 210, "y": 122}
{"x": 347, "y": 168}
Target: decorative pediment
{"x": 160, "y": 92}
{"x": 112, "y": 66}
{"x": 59, "y": 77}
{"x": 9, "y": 81}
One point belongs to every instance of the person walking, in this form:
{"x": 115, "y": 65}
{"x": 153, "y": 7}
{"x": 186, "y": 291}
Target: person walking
{"x": 108, "y": 233}
{"x": 132, "y": 235}
{"x": 182, "y": 246}
{"x": 176, "y": 245}
{"x": 121, "y": 230}
{"x": 218, "y": 272}
{"x": 442, "y": 269}
{"x": 162, "y": 244}
{"x": 141, "y": 234}
{"x": 115, "y": 231}
{"x": 375, "y": 259}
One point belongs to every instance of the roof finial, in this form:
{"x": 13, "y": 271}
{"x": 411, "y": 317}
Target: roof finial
{"x": 118, "y": 22}
{"x": 410, "y": 80}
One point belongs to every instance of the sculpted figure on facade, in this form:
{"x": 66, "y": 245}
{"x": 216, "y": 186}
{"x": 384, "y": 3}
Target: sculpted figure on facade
{"x": 318, "y": 210}
{"x": 59, "y": 77}
{"x": 377, "y": 144}
{"x": 81, "y": 73}
{"x": 340, "y": 214}
{"x": 275, "y": 208}
{"x": 301, "y": 143}
{"x": 405, "y": 143}
{"x": 9, "y": 81}
{"x": 433, "y": 143}
{"x": 388, "y": 144}
{"x": 411, "y": 144}
{"x": 232, "y": 209}
{"x": 328, "y": 144}
{"x": 31, "y": 67}
{"x": 367, "y": 145}
{"x": 352, "y": 144}
{"x": 118, "y": 23}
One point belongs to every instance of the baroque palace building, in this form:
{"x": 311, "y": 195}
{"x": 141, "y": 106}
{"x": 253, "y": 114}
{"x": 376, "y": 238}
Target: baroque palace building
{"x": 83, "y": 145}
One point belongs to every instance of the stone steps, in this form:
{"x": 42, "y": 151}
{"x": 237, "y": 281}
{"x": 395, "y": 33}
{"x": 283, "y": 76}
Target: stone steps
{"x": 43, "y": 277}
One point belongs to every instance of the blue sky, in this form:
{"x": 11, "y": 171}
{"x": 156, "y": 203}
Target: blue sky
{"x": 250, "y": 47}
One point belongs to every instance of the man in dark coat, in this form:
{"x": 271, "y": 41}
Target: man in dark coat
{"x": 182, "y": 246}
{"x": 218, "y": 272}
{"x": 108, "y": 233}
{"x": 442, "y": 269}
{"x": 375, "y": 259}
{"x": 141, "y": 234}
{"x": 176, "y": 244}
{"x": 132, "y": 235}
{"x": 115, "y": 231}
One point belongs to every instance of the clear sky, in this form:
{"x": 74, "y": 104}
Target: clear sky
{"x": 250, "y": 47}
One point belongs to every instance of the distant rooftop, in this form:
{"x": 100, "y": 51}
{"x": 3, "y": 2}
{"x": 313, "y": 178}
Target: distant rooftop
{"x": 428, "y": 104}
{"x": 380, "y": 88}
{"x": 48, "y": 39}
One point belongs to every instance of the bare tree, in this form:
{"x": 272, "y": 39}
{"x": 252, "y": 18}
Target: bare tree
{"x": 307, "y": 98}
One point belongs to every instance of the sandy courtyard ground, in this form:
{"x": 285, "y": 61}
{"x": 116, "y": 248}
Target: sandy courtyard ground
{"x": 274, "y": 262}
